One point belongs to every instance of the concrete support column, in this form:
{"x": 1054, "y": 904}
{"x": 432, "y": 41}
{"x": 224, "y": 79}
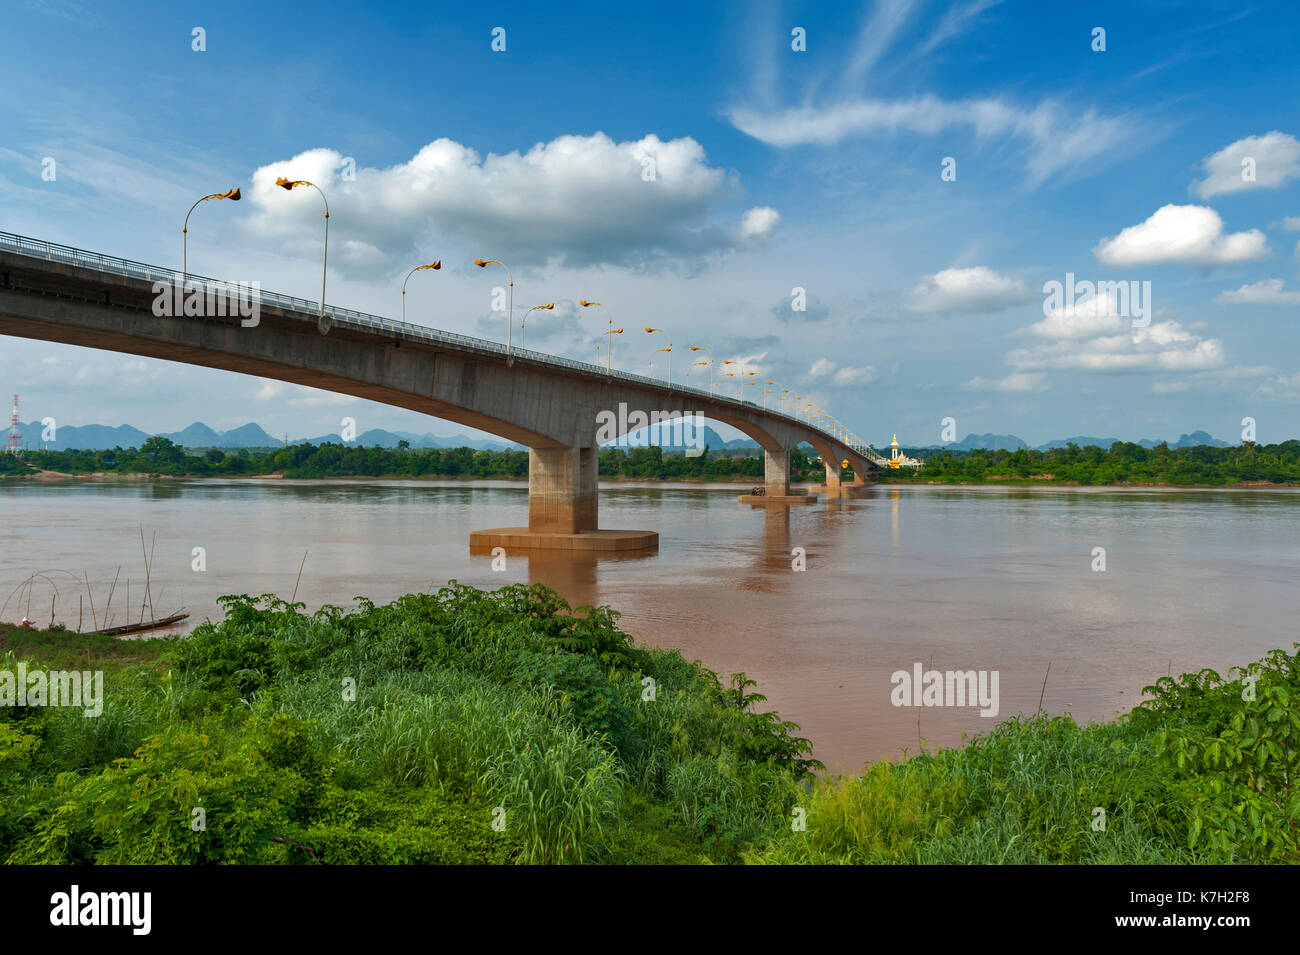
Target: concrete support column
{"x": 562, "y": 490}
{"x": 858, "y": 479}
{"x": 588, "y": 488}
{"x": 832, "y": 475}
{"x": 776, "y": 472}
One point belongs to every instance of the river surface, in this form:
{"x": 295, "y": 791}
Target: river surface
{"x": 985, "y": 579}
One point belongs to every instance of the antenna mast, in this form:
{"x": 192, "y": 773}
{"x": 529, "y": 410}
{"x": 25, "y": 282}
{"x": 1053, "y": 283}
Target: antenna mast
{"x": 15, "y": 439}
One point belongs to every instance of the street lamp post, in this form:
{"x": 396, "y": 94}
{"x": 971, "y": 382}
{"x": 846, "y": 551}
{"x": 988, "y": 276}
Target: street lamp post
{"x": 419, "y": 268}
{"x": 524, "y": 320}
{"x": 185, "y": 232}
{"x": 709, "y": 363}
{"x": 609, "y": 354}
{"x": 288, "y": 185}
{"x": 510, "y": 317}
{"x": 669, "y": 349}
{"x": 609, "y": 351}
{"x": 728, "y": 361}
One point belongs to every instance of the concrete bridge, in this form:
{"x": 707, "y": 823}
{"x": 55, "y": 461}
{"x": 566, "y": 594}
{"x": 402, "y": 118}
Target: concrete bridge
{"x": 550, "y": 404}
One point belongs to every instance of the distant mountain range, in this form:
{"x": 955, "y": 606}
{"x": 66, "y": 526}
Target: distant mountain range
{"x": 94, "y": 437}
{"x": 198, "y": 435}
{"x": 1009, "y": 442}
{"x": 711, "y": 438}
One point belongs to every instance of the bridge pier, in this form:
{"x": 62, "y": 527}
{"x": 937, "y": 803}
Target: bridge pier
{"x": 776, "y": 472}
{"x": 563, "y": 490}
{"x": 563, "y": 508}
{"x": 833, "y": 476}
{"x": 776, "y": 482}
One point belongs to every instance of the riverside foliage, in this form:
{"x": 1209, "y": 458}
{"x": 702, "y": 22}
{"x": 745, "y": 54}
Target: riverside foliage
{"x": 1123, "y": 463}
{"x": 470, "y": 707}
{"x": 161, "y": 456}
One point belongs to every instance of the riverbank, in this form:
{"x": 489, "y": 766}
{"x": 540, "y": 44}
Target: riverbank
{"x": 736, "y": 480}
{"x": 357, "y": 478}
{"x": 1115, "y": 485}
{"x": 503, "y": 727}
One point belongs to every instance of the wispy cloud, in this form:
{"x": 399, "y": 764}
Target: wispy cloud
{"x": 1055, "y": 138}
{"x": 959, "y": 17}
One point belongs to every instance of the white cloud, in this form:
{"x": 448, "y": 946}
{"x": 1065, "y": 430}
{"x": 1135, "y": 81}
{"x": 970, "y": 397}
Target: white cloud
{"x": 270, "y": 390}
{"x": 1291, "y": 223}
{"x": 1161, "y": 346}
{"x": 1276, "y": 159}
{"x": 1056, "y": 138}
{"x": 978, "y": 289}
{"x": 855, "y": 376}
{"x": 1284, "y": 388}
{"x": 955, "y": 20}
{"x": 1263, "y": 292}
{"x": 759, "y": 223}
{"x": 863, "y": 375}
{"x": 1016, "y": 381}
{"x": 875, "y": 36}
{"x": 1093, "y": 337}
{"x": 1077, "y": 322}
{"x": 1186, "y": 235}
{"x": 576, "y": 200}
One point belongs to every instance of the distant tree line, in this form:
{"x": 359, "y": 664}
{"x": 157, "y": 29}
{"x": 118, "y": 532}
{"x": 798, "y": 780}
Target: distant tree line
{"x": 1123, "y": 463}
{"x": 161, "y": 456}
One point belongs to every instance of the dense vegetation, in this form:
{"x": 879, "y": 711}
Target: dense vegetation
{"x": 160, "y": 456}
{"x": 464, "y": 702}
{"x": 1123, "y": 463}
{"x": 468, "y": 704}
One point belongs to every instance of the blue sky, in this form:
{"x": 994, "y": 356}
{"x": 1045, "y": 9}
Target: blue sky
{"x": 775, "y": 169}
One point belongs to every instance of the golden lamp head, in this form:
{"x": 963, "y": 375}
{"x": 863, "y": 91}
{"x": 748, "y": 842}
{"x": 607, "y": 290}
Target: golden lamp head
{"x": 649, "y": 330}
{"x": 698, "y": 348}
{"x": 484, "y": 263}
{"x": 232, "y": 194}
{"x": 585, "y": 304}
{"x": 290, "y": 183}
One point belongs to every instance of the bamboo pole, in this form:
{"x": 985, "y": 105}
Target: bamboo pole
{"x": 1044, "y": 690}
{"x": 93, "y": 619}
{"x": 107, "y": 615}
{"x": 299, "y": 580}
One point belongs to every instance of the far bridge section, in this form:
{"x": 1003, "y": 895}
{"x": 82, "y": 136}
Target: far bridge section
{"x": 56, "y": 293}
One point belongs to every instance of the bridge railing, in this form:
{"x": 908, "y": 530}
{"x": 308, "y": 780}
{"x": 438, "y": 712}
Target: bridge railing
{"x": 113, "y": 265}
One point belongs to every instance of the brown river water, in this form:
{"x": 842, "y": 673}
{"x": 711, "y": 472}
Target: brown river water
{"x": 986, "y": 579}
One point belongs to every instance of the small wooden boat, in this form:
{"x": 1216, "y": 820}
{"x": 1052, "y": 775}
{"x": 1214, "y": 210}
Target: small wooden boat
{"x": 138, "y": 627}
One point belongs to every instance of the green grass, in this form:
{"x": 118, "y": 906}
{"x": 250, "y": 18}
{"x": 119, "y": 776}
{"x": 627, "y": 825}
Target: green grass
{"x": 403, "y": 733}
